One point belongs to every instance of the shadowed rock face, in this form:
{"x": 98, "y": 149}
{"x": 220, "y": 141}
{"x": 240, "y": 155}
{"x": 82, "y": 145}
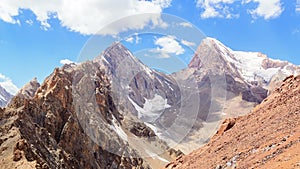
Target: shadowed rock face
{"x": 266, "y": 138}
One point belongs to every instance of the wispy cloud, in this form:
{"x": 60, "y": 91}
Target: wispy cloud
{"x": 135, "y": 38}
{"x": 129, "y": 39}
{"x": 295, "y": 31}
{"x": 267, "y": 9}
{"x": 186, "y": 24}
{"x": 29, "y": 22}
{"x": 188, "y": 43}
{"x": 298, "y": 6}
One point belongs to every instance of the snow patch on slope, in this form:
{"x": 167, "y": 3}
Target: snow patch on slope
{"x": 2, "y": 98}
{"x": 155, "y": 129}
{"x": 155, "y": 156}
{"x": 118, "y": 129}
{"x": 8, "y": 85}
{"x": 152, "y": 108}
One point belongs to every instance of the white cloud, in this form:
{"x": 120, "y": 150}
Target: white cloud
{"x": 129, "y": 39}
{"x": 188, "y": 43}
{"x": 66, "y": 61}
{"x": 216, "y": 8}
{"x": 87, "y": 16}
{"x": 134, "y": 38}
{"x": 186, "y": 24}
{"x": 168, "y": 45}
{"x": 137, "y": 39}
{"x": 268, "y": 9}
{"x": 298, "y": 6}
{"x": 8, "y": 85}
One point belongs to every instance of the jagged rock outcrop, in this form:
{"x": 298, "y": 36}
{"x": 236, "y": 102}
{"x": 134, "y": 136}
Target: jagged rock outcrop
{"x": 226, "y": 125}
{"x": 29, "y": 89}
{"x": 268, "y": 137}
{"x": 141, "y": 130}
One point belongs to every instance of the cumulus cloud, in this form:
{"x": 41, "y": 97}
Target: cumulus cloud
{"x": 267, "y": 9}
{"x": 8, "y": 85}
{"x": 168, "y": 45}
{"x": 66, "y": 61}
{"x": 87, "y": 16}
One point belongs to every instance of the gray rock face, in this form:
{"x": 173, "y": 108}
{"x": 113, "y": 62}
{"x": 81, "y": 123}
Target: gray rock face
{"x": 152, "y": 97}
{"x": 132, "y": 78}
{"x": 4, "y": 97}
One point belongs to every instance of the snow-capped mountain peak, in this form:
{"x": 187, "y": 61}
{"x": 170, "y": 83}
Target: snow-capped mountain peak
{"x": 7, "y": 90}
{"x": 4, "y": 97}
{"x": 251, "y": 66}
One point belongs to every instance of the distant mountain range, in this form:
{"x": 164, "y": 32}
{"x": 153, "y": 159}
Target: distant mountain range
{"x": 116, "y": 112}
{"x": 4, "y": 97}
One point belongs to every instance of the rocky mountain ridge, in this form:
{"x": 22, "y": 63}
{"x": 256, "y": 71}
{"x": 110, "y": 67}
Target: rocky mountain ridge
{"x": 229, "y": 84}
{"x": 48, "y": 121}
{"x": 115, "y": 112}
{"x": 252, "y": 67}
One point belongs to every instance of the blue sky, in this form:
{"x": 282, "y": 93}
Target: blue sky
{"x": 36, "y": 36}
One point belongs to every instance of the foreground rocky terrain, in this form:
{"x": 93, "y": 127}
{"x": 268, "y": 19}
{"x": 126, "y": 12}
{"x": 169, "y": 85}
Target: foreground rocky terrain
{"x": 268, "y": 137}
